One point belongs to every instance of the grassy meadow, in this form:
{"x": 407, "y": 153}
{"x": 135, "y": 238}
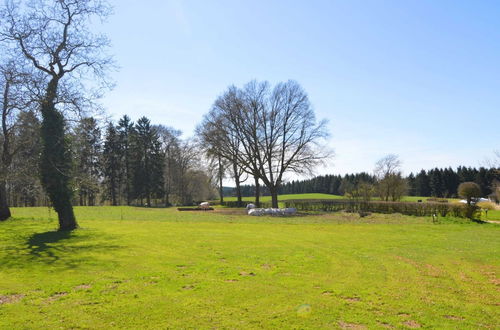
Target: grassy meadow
{"x": 155, "y": 268}
{"x": 325, "y": 197}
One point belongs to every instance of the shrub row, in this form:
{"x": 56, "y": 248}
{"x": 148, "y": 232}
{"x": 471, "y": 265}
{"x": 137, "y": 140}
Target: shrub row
{"x": 236, "y": 204}
{"x": 407, "y": 208}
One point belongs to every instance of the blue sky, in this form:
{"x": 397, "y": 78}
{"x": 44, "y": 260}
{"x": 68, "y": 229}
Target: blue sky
{"x": 420, "y": 79}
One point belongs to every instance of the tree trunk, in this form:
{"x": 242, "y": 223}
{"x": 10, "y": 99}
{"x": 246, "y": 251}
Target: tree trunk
{"x": 221, "y": 188}
{"x": 257, "y": 192}
{"x": 113, "y": 191}
{"x": 55, "y": 165}
{"x": 237, "y": 181}
{"x": 274, "y": 197}
{"x": 4, "y": 205}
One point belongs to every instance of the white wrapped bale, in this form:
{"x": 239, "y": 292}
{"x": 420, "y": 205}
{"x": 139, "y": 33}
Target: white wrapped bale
{"x": 256, "y": 212}
{"x": 204, "y": 205}
{"x": 271, "y": 211}
{"x": 250, "y": 206}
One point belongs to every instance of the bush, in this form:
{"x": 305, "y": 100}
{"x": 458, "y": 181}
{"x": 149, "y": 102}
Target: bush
{"x": 407, "y": 208}
{"x": 243, "y": 204}
{"x": 469, "y": 190}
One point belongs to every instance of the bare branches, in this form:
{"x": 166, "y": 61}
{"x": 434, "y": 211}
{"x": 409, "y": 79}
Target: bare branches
{"x": 267, "y": 132}
{"x": 55, "y": 38}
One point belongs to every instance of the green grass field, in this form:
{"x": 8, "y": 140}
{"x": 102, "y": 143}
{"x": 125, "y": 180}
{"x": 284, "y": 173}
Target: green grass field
{"x": 289, "y": 197}
{"x": 139, "y": 268}
{"x": 324, "y": 196}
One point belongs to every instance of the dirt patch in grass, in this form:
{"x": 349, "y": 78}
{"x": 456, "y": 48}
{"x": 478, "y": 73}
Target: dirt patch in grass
{"x": 412, "y": 324}
{"x": 229, "y": 211}
{"x": 57, "y": 296}
{"x": 345, "y": 325}
{"x": 83, "y": 287}
{"x": 352, "y": 299}
{"x": 385, "y": 325}
{"x": 247, "y": 274}
{"x": 453, "y": 317}
{"x": 10, "y": 299}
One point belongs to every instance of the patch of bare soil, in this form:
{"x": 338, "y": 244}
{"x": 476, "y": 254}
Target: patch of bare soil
{"x": 83, "y": 287}
{"x": 352, "y": 299}
{"x": 345, "y": 325}
{"x": 57, "y": 296}
{"x": 247, "y": 274}
{"x": 10, "y": 299}
{"x": 412, "y": 324}
{"x": 230, "y": 211}
{"x": 453, "y": 317}
{"x": 385, "y": 325}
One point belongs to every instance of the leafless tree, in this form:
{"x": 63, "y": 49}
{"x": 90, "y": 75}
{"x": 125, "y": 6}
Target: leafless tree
{"x": 391, "y": 184}
{"x": 15, "y": 98}
{"x": 54, "y": 38}
{"x": 269, "y": 132}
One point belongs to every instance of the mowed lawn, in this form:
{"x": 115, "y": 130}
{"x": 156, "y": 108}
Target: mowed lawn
{"x": 142, "y": 268}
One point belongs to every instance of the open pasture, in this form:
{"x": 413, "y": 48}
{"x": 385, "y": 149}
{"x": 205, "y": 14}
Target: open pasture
{"x": 159, "y": 268}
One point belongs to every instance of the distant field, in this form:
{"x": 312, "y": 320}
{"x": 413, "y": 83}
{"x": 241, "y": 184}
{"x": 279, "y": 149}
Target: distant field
{"x": 325, "y": 196}
{"x": 288, "y": 197}
{"x": 140, "y": 268}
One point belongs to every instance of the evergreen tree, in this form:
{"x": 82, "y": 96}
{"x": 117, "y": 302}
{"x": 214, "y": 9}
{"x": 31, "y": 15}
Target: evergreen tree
{"x": 111, "y": 161}
{"x": 87, "y": 149}
{"x": 125, "y": 131}
{"x": 147, "y": 162}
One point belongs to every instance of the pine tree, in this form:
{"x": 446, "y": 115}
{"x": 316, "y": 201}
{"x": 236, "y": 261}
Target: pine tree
{"x": 125, "y": 131}
{"x": 112, "y": 171}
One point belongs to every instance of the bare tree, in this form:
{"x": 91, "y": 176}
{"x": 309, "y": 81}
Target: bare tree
{"x": 54, "y": 38}
{"x": 13, "y": 82}
{"x": 391, "y": 184}
{"x": 268, "y": 132}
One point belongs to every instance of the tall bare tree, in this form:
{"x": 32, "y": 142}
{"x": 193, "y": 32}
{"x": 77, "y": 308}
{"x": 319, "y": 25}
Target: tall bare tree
{"x": 391, "y": 184}
{"x": 55, "y": 38}
{"x": 275, "y": 131}
{"x": 14, "y": 98}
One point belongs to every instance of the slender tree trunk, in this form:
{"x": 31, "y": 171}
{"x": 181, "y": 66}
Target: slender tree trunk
{"x": 56, "y": 160}
{"x": 6, "y": 157}
{"x": 113, "y": 190}
{"x": 257, "y": 192}
{"x": 221, "y": 188}
{"x": 4, "y": 205}
{"x": 237, "y": 181}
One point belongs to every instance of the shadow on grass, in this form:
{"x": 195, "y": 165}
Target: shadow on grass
{"x": 39, "y": 244}
{"x": 63, "y": 249}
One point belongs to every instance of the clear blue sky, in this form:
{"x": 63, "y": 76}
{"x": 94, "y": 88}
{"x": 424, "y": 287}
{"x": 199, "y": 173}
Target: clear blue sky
{"x": 420, "y": 79}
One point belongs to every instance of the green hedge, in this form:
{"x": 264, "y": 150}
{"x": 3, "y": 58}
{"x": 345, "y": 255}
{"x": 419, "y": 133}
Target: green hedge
{"x": 407, "y": 208}
{"x": 235, "y": 204}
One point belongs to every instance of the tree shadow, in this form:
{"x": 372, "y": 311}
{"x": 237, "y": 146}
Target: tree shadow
{"x": 63, "y": 249}
{"x": 38, "y": 243}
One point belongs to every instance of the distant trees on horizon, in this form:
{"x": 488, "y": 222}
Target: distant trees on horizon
{"x": 125, "y": 163}
{"x": 436, "y": 182}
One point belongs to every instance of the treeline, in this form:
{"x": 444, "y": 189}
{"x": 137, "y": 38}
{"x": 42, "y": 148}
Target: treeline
{"x": 437, "y": 182}
{"x": 326, "y": 184}
{"x": 123, "y": 163}
{"x": 444, "y": 182}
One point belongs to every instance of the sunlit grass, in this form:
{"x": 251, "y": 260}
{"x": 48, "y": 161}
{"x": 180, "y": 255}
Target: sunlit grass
{"x": 142, "y": 268}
